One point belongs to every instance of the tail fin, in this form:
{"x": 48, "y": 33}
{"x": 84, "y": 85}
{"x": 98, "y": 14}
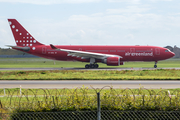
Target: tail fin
{"x": 21, "y": 35}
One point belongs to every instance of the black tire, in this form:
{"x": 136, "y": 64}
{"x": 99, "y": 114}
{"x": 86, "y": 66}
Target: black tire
{"x": 92, "y": 66}
{"x": 87, "y": 66}
{"x": 96, "y": 65}
{"x": 155, "y": 66}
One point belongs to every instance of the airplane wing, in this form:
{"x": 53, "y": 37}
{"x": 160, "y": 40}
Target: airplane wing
{"x": 83, "y": 54}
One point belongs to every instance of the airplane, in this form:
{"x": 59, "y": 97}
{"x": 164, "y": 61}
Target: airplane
{"x": 93, "y": 54}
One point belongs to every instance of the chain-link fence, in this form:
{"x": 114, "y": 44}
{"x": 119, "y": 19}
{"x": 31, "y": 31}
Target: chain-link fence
{"x": 89, "y": 104}
{"x": 92, "y": 115}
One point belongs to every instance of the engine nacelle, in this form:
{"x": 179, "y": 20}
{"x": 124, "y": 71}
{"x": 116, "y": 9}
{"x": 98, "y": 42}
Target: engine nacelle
{"x": 112, "y": 61}
{"x": 121, "y": 63}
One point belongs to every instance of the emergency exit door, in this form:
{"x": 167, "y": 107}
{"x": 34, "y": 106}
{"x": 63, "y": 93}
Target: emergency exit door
{"x": 43, "y": 50}
{"x": 157, "y": 51}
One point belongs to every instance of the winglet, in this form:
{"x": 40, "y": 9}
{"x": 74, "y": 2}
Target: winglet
{"x": 53, "y": 47}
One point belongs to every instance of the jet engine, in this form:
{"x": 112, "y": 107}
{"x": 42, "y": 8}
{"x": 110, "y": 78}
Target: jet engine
{"x": 112, "y": 61}
{"x": 121, "y": 63}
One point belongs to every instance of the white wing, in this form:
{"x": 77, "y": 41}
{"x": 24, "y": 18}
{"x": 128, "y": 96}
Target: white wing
{"x": 84, "y": 55}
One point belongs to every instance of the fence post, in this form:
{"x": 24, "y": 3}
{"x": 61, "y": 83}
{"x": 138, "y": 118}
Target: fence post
{"x": 4, "y": 92}
{"x": 20, "y": 89}
{"x": 1, "y": 104}
{"x": 98, "y": 107}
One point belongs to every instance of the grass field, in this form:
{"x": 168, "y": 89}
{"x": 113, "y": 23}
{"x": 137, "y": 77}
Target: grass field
{"x": 80, "y": 91}
{"x": 46, "y": 63}
{"x": 86, "y": 99}
{"x": 43, "y": 100}
{"x": 157, "y": 74}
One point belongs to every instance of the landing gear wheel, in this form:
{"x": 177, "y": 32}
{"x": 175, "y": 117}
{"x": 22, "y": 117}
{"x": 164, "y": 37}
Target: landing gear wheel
{"x": 96, "y": 65}
{"x": 155, "y": 66}
{"x": 87, "y": 66}
{"x": 92, "y": 66}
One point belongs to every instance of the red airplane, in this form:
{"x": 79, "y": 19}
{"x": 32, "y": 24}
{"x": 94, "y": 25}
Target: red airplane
{"x": 110, "y": 55}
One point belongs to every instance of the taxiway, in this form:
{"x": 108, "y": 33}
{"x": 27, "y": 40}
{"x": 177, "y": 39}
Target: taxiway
{"x": 91, "y": 84}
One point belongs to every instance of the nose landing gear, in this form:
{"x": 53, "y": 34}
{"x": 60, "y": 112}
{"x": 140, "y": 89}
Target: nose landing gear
{"x": 155, "y": 66}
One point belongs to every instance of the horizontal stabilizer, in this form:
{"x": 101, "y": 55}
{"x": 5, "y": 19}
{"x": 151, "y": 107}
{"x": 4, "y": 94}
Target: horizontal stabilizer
{"x": 21, "y": 48}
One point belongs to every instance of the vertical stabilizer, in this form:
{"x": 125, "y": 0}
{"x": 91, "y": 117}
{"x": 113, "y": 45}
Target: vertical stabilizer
{"x": 21, "y": 35}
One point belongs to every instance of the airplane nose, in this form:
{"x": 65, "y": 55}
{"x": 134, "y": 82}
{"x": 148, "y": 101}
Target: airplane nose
{"x": 172, "y": 54}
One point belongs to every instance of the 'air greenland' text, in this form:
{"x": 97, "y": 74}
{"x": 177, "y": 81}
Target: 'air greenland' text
{"x": 139, "y": 54}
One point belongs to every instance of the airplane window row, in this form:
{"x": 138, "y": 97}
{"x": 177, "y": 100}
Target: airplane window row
{"x": 143, "y": 50}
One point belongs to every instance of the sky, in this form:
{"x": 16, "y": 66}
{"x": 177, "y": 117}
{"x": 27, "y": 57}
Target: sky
{"x": 94, "y": 22}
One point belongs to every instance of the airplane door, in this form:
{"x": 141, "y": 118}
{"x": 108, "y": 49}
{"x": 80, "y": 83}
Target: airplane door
{"x": 43, "y": 50}
{"x": 157, "y": 51}
{"x": 132, "y": 50}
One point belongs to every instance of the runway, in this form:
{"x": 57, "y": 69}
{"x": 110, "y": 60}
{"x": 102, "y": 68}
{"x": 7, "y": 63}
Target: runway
{"x": 7, "y": 69}
{"x": 91, "y": 84}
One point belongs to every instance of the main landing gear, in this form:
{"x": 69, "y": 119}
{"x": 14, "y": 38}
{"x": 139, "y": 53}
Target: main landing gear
{"x": 91, "y": 66}
{"x": 155, "y": 66}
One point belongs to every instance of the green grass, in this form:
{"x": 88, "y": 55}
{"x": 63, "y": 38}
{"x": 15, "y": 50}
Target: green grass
{"x": 85, "y": 99}
{"x": 157, "y": 74}
{"x": 46, "y": 63}
{"x": 89, "y": 91}
{"x": 42, "y": 100}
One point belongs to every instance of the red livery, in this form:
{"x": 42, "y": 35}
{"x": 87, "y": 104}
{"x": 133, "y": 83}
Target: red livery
{"x": 110, "y": 55}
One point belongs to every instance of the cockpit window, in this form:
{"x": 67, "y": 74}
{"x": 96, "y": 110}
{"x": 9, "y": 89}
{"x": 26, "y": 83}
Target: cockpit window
{"x": 167, "y": 51}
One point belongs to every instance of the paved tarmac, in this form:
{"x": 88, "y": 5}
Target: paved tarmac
{"x": 91, "y": 84}
{"x": 7, "y": 69}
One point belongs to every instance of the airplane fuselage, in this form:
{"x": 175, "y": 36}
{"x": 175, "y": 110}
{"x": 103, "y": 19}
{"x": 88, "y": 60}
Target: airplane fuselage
{"x": 128, "y": 53}
{"x": 110, "y": 55}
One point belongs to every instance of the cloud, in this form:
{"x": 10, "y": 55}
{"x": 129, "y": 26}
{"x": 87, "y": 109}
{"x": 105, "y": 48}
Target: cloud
{"x": 159, "y": 0}
{"x": 78, "y": 35}
{"x": 129, "y": 36}
{"x": 127, "y": 1}
{"x": 129, "y": 9}
{"x": 135, "y": 1}
{"x": 47, "y": 2}
{"x": 6, "y": 37}
{"x": 98, "y": 29}
{"x": 79, "y": 18}
{"x": 127, "y": 24}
